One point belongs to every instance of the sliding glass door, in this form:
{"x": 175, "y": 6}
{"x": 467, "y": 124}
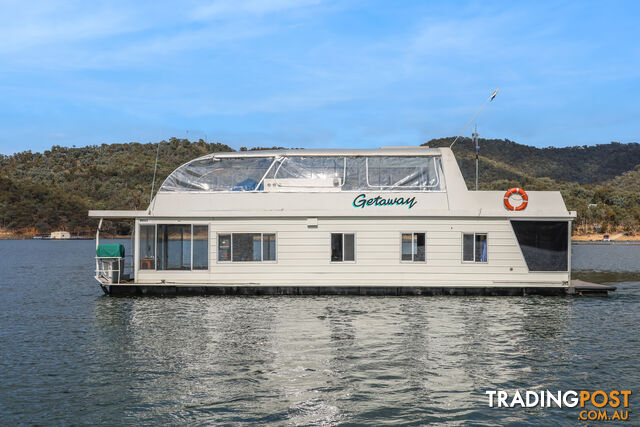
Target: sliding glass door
{"x": 174, "y": 247}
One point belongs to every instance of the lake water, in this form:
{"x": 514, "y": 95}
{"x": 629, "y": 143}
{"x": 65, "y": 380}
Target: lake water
{"x": 69, "y": 355}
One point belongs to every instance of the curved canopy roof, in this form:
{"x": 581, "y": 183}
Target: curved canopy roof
{"x": 417, "y": 169}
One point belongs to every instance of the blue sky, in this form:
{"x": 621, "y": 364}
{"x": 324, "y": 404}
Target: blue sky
{"x": 312, "y": 73}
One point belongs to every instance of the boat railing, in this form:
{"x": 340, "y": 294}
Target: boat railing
{"x": 113, "y": 270}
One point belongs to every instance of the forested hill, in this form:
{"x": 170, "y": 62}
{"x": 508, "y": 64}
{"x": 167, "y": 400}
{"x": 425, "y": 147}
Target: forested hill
{"x": 53, "y": 190}
{"x": 582, "y": 164}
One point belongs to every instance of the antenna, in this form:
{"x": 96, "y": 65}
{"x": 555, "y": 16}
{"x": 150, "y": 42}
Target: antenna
{"x": 477, "y": 145}
{"x": 493, "y": 95}
{"x": 155, "y": 168}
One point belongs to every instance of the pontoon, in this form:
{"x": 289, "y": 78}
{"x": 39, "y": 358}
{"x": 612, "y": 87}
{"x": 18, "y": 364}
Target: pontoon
{"x": 395, "y": 221}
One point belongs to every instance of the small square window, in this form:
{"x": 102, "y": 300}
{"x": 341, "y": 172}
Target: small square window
{"x": 474, "y": 247}
{"x": 343, "y": 247}
{"x": 413, "y": 247}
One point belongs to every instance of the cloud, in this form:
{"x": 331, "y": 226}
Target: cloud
{"x": 221, "y": 9}
{"x": 80, "y": 35}
{"x": 35, "y": 24}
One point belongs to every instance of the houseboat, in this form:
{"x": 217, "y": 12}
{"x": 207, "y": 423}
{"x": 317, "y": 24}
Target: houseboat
{"x": 390, "y": 221}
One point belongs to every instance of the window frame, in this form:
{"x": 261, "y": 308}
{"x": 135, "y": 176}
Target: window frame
{"x": 191, "y": 224}
{"x": 413, "y": 261}
{"x": 155, "y": 247}
{"x": 355, "y": 247}
{"x": 515, "y": 237}
{"x": 231, "y": 261}
{"x": 208, "y": 251}
{"x": 427, "y": 188}
{"x": 474, "y": 233}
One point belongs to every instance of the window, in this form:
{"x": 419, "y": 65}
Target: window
{"x": 544, "y": 244}
{"x": 182, "y": 247}
{"x": 247, "y": 247}
{"x": 413, "y": 247}
{"x": 213, "y": 174}
{"x": 311, "y": 171}
{"x": 268, "y": 247}
{"x": 348, "y": 172}
{"x": 174, "y": 247}
{"x": 388, "y": 172}
{"x": 200, "y": 247}
{"x": 474, "y": 247}
{"x": 147, "y": 247}
{"x": 343, "y": 247}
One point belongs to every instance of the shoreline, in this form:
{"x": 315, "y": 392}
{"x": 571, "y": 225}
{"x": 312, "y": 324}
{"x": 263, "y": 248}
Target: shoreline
{"x": 598, "y": 238}
{"x": 581, "y": 239}
{"x": 9, "y": 236}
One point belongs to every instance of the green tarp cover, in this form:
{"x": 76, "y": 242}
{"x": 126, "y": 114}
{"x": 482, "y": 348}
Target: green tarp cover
{"x": 111, "y": 250}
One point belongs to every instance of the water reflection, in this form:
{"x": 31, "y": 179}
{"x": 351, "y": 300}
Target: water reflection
{"x": 322, "y": 360}
{"x": 72, "y": 356}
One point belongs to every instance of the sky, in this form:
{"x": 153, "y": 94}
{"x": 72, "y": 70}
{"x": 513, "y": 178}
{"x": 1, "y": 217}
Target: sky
{"x": 317, "y": 74}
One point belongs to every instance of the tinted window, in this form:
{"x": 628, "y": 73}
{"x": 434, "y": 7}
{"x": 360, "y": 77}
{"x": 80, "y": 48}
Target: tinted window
{"x": 349, "y": 247}
{"x": 467, "y": 247}
{"x": 544, "y": 244}
{"x": 413, "y": 247}
{"x": 200, "y": 247}
{"x": 481, "y": 248}
{"x": 174, "y": 247}
{"x": 343, "y": 247}
{"x": 419, "y": 245}
{"x": 407, "y": 247}
{"x": 268, "y": 247}
{"x": 336, "y": 247}
{"x": 246, "y": 247}
{"x": 147, "y": 247}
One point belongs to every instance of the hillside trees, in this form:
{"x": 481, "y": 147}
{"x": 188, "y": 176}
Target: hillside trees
{"x": 54, "y": 189}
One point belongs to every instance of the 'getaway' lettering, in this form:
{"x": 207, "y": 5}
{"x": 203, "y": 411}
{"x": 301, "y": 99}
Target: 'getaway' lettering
{"x": 361, "y": 201}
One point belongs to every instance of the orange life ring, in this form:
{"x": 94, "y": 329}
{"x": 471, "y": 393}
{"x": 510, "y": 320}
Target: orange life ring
{"x": 521, "y": 192}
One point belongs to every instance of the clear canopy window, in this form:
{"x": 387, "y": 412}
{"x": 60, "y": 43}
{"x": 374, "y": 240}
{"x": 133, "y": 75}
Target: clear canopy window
{"x": 308, "y": 173}
{"x": 403, "y": 172}
{"x": 226, "y": 174}
{"x": 313, "y": 170}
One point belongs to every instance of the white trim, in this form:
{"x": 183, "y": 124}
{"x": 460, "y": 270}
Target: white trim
{"x": 568, "y": 249}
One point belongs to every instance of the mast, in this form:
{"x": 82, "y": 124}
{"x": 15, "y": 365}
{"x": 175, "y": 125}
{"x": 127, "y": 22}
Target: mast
{"x": 477, "y": 146}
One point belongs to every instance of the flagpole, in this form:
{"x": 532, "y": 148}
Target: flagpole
{"x": 493, "y": 95}
{"x": 475, "y": 140}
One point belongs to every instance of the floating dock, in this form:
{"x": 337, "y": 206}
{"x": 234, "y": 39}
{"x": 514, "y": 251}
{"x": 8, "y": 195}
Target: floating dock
{"x": 582, "y": 288}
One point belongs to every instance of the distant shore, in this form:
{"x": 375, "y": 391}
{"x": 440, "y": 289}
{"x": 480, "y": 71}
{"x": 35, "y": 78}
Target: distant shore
{"x": 613, "y": 237}
{"x": 22, "y": 236}
{"x": 575, "y": 237}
